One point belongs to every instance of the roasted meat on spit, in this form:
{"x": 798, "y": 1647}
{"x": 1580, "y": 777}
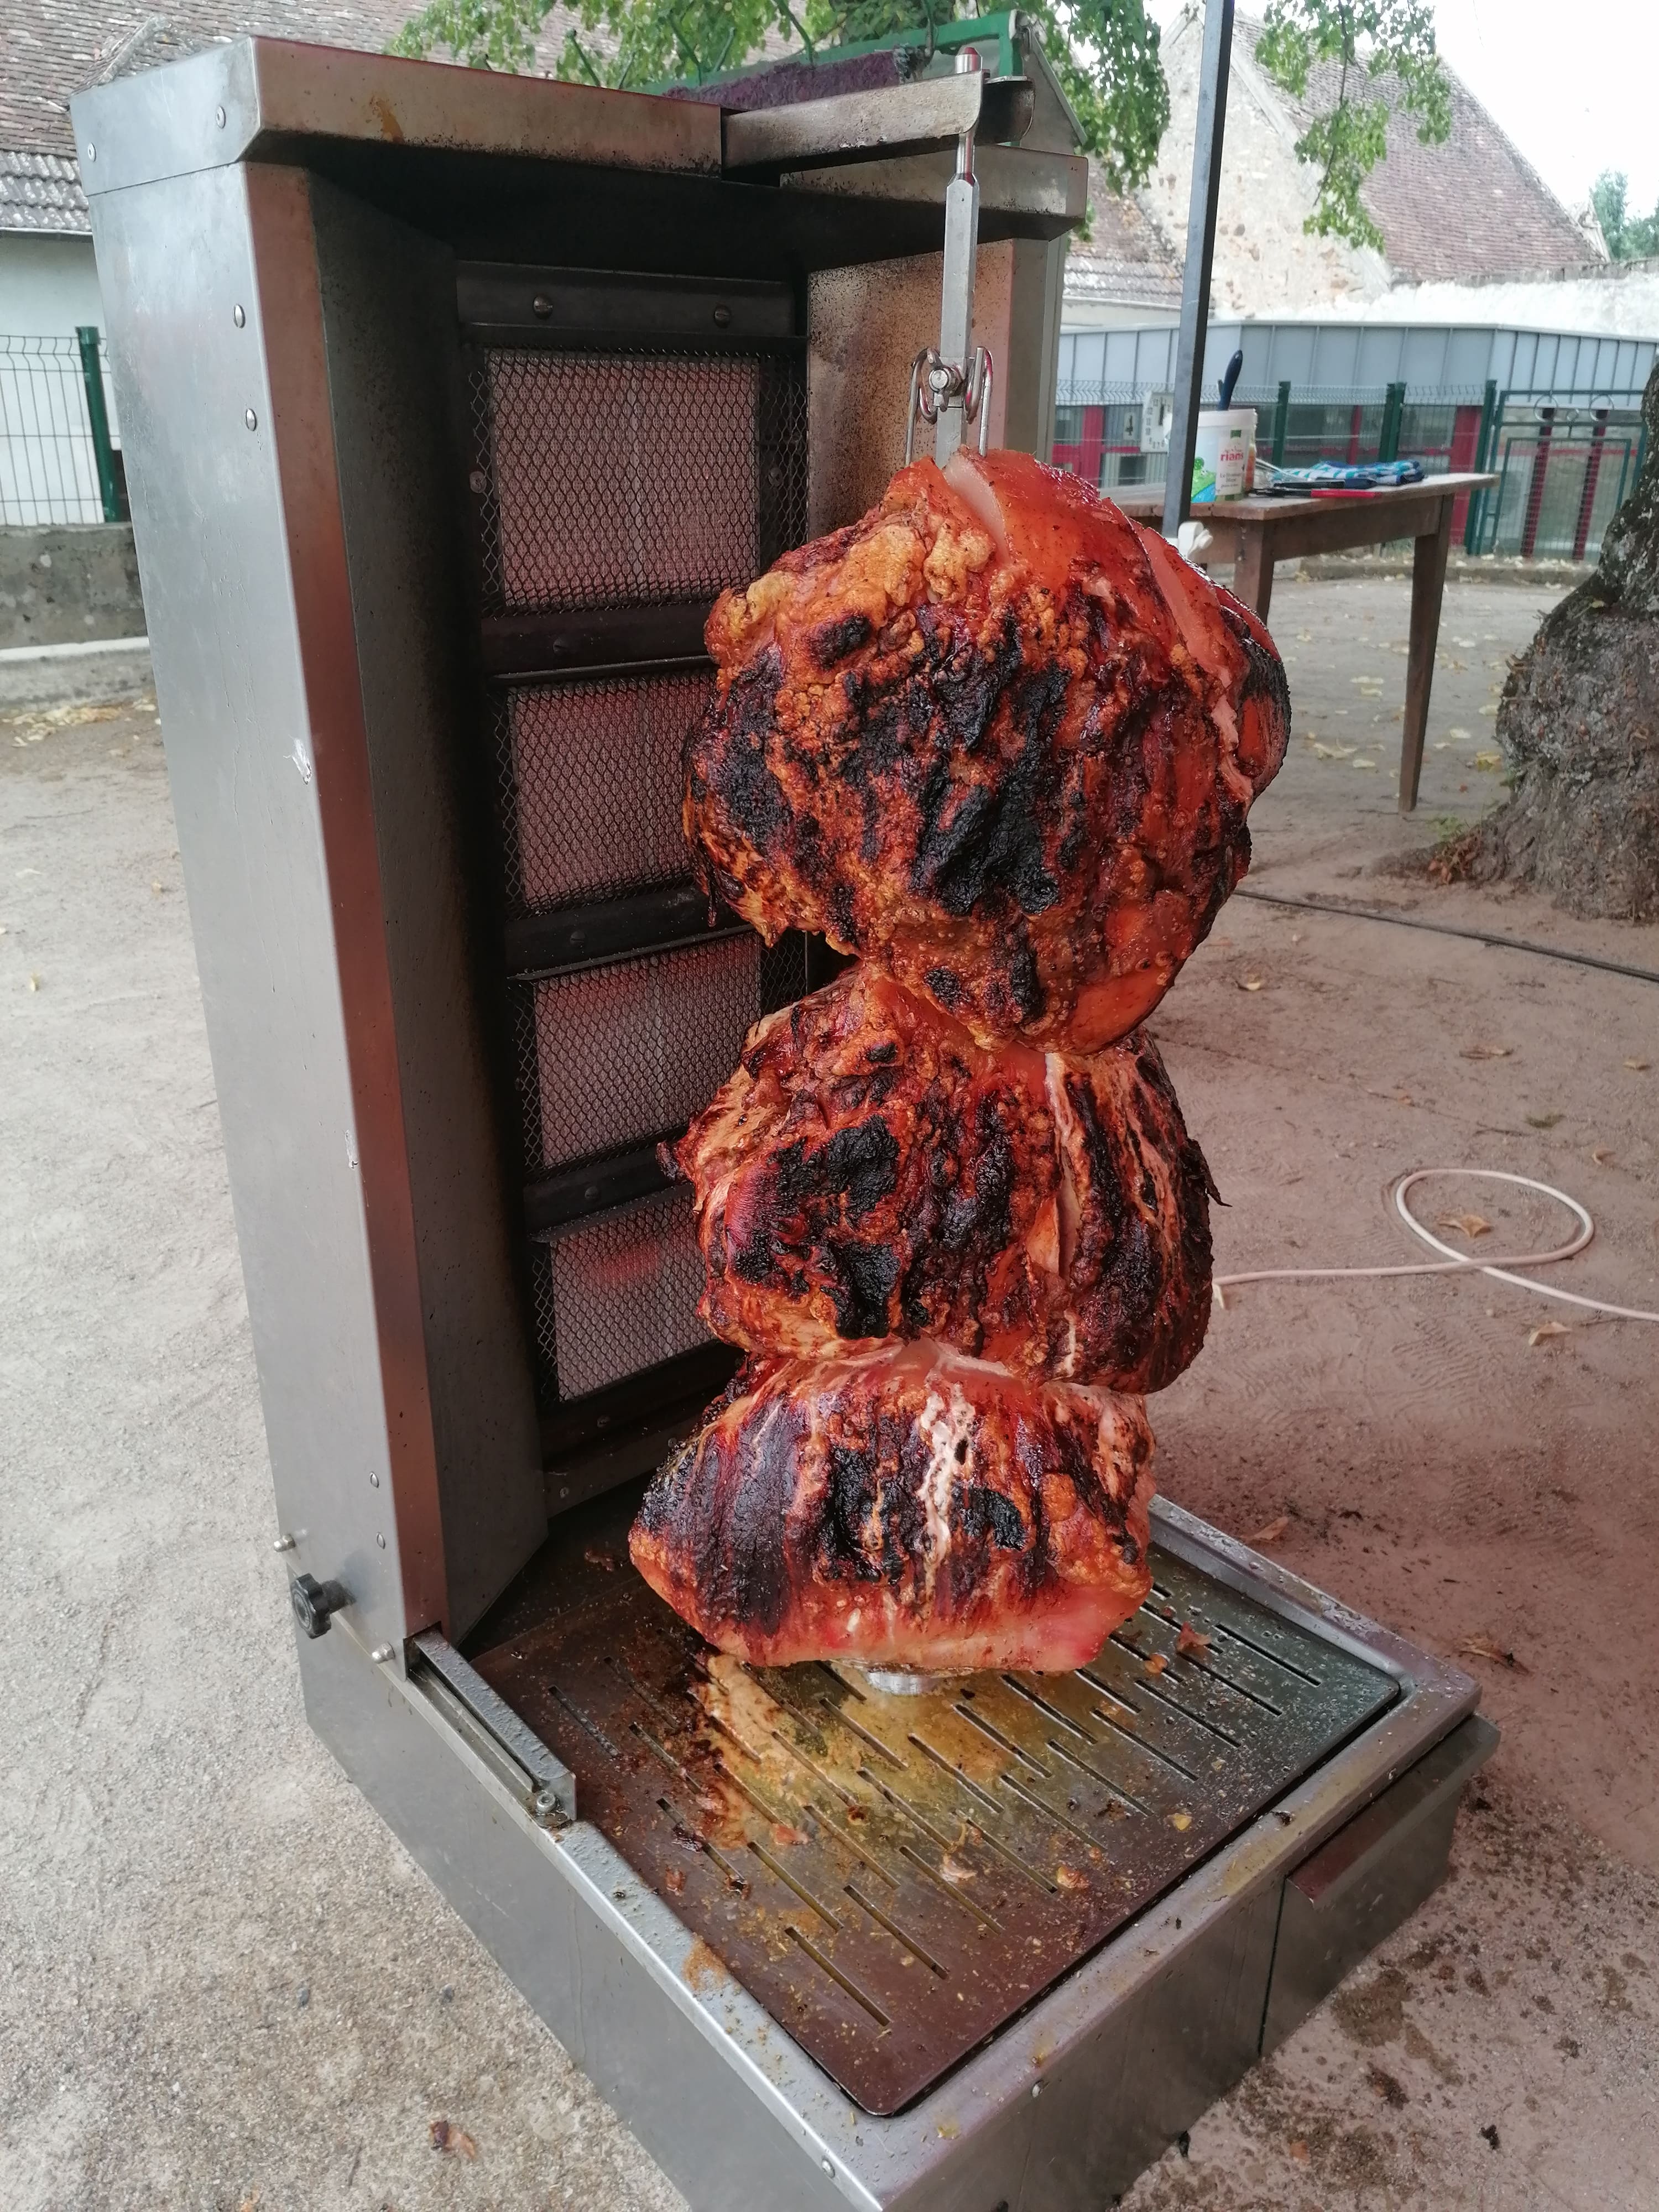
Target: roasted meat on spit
{"x": 904, "y": 1507}
{"x": 1001, "y": 744}
{"x": 870, "y": 1171}
{"x": 993, "y": 738}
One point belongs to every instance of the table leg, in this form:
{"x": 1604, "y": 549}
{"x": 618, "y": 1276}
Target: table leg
{"x": 1253, "y": 575}
{"x": 1428, "y": 588}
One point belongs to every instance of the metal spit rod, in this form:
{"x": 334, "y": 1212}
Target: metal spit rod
{"x": 950, "y": 384}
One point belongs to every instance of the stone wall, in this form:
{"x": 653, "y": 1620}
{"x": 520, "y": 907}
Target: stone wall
{"x": 61, "y": 584}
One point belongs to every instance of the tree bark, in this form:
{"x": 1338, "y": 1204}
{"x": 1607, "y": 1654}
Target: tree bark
{"x": 1579, "y": 724}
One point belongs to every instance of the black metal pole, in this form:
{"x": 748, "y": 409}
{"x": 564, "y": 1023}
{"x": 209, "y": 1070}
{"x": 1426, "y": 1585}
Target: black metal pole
{"x": 1201, "y": 256}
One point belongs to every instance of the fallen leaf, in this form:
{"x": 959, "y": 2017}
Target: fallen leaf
{"x": 1489, "y": 709}
{"x": 1271, "y": 1532}
{"x": 1638, "y": 1066}
{"x": 1487, "y": 1647}
{"x": 1182, "y": 1821}
{"x": 1489, "y": 760}
{"x": 1156, "y": 1663}
{"x": 1545, "y": 1329}
{"x": 155, "y": 884}
{"x": 1544, "y": 1120}
{"x": 1464, "y": 735}
{"x": 1404, "y": 1098}
{"x": 447, "y": 2136}
{"x": 1252, "y": 983}
{"x": 1472, "y": 1225}
{"x": 1487, "y": 1051}
{"x": 1365, "y": 764}
{"x": 1069, "y": 1878}
{"x": 1304, "y": 637}
{"x": 1190, "y": 1644}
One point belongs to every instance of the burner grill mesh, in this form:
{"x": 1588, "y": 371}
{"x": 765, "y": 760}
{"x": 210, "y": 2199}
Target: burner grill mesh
{"x": 591, "y": 784}
{"x": 634, "y": 478}
{"x": 623, "y": 1290}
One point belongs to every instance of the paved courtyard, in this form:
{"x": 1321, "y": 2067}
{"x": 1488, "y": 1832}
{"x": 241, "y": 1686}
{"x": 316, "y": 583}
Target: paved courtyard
{"x": 223, "y": 1984}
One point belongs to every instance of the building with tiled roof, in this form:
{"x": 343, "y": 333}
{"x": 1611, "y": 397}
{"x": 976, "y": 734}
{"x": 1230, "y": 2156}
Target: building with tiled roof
{"x": 1468, "y": 210}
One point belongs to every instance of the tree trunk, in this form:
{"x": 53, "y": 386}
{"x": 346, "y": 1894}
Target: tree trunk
{"x": 1579, "y": 724}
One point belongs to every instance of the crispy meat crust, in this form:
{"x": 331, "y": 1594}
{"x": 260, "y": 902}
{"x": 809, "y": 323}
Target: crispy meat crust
{"x": 904, "y": 1507}
{"x": 870, "y": 1171}
{"x": 996, "y": 739}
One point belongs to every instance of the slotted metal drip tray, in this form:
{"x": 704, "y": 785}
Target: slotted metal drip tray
{"x": 895, "y": 1877}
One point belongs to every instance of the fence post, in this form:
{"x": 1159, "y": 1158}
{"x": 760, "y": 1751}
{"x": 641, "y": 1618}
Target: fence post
{"x": 1281, "y": 423}
{"x": 1393, "y": 407}
{"x": 1592, "y": 471}
{"x": 1541, "y": 469}
{"x": 92, "y": 375}
{"x": 1477, "y": 515}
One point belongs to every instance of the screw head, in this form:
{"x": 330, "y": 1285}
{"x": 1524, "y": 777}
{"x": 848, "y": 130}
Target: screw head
{"x": 283, "y": 1543}
{"x": 478, "y": 482}
{"x": 381, "y": 1540}
{"x": 1036, "y": 2088}
{"x": 219, "y": 117}
{"x": 238, "y": 315}
{"x": 251, "y": 419}
{"x": 722, "y": 317}
{"x": 374, "y": 1479}
{"x": 380, "y": 1653}
{"x": 544, "y": 1804}
{"x": 541, "y": 306}
{"x": 92, "y": 151}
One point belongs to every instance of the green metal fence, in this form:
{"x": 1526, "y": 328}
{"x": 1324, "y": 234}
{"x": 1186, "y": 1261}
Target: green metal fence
{"x": 1565, "y": 464}
{"x": 59, "y": 460}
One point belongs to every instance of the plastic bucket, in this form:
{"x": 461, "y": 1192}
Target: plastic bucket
{"x": 1221, "y": 456}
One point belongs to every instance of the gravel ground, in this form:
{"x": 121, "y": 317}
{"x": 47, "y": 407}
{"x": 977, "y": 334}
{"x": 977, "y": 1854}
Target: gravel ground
{"x": 223, "y": 1984}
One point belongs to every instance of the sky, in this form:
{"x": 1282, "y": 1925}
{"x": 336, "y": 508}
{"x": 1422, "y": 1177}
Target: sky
{"x": 1575, "y": 88}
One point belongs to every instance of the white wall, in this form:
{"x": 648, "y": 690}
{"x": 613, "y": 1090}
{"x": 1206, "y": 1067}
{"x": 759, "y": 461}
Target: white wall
{"x": 48, "y": 285}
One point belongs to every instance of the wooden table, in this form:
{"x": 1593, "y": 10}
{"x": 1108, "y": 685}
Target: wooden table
{"x": 1256, "y": 533}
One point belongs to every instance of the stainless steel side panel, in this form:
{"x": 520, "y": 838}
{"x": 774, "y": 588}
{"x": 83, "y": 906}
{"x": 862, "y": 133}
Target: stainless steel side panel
{"x": 327, "y": 939}
{"x": 1055, "y": 2115}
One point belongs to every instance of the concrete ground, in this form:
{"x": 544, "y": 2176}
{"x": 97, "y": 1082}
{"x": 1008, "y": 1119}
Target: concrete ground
{"x": 223, "y": 1984}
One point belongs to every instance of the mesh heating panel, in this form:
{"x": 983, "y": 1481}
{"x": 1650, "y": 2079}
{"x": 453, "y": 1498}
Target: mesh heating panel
{"x": 591, "y": 784}
{"x": 625, "y": 1288}
{"x": 634, "y": 478}
{"x": 628, "y": 1051}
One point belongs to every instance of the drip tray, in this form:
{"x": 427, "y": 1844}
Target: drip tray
{"x": 895, "y": 1877}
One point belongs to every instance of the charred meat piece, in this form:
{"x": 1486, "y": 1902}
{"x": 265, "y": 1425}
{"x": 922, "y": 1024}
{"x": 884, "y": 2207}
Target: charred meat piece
{"x": 994, "y": 738}
{"x": 870, "y": 1171}
{"x": 908, "y": 1508}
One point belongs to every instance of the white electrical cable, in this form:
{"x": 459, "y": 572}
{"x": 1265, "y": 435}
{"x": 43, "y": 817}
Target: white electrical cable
{"x": 1457, "y": 1263}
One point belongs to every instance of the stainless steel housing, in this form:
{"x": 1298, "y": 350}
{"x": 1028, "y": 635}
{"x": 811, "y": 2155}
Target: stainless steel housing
{"x": 296, "y": 248}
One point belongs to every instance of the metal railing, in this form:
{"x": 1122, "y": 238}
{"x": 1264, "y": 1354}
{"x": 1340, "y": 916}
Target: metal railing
{"x": 59, "y": 459}
{"x": 1564, "y": 465}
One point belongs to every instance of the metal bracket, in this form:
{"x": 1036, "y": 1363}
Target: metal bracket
{"x": 950, "y": 384}
{"x": 550, "y": 1787}
{"x": 935, "y": 384}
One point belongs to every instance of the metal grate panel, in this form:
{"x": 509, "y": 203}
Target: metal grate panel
{"x": 592, "y": 784}
{"x": 634, "y": 476}
{"x": 625, "y": 1288}
{"x": 895, "y": 1878}
{"x": 632, "y": 1050}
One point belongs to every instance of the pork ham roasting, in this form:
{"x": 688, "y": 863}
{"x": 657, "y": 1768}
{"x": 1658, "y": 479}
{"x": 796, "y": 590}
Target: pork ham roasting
{"x": 999, "y": 744}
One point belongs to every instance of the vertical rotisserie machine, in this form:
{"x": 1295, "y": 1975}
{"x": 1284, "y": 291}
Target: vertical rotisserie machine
{"x": 450, "y": 402}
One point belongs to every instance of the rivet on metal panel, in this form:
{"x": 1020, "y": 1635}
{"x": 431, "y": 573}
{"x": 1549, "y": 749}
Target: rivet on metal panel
{"x": 239, "y": 315}
{"x": 541, "y": 305}
{"x": 219, "y": 117}
{"x": 722, "y": 317}
{"x": 546, "y": 1806}
{"x": 478, "y": 482}
{"x": 380, "y": 1653}
{"x": 251, "y": 419}
{"x": 381, "y": 1540}
{"x": 830, "y": 2166}
{"x": 92, "y": 151}
{"x": 1036, "y": 2088}
{"x": 283, "y": 1543}
{"x": 374, "y": 1479}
